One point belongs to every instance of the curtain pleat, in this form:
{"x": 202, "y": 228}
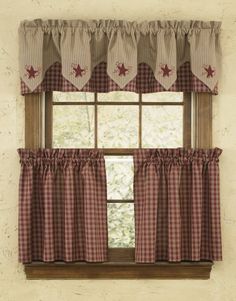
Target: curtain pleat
{"x": 177, "y": 205}
{"x": 174, "y": 213}
{"x": 62, "y": 206}
{"x": 26, "y": 231}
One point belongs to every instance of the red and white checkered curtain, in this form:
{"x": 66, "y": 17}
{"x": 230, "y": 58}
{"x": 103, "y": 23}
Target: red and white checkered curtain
{"x": 62, "y": 206}
{"x": 177, "y": 209}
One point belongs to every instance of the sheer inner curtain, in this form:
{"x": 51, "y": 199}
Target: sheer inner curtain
{"x": 62, "y": 206}
{"x": 177, "y": 209}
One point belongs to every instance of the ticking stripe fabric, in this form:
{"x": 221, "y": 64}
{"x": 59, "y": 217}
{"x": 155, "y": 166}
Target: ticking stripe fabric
{"x": 80, "y": 46}
{"x": 62, "y": 206}
{"x": 177, "y": 209}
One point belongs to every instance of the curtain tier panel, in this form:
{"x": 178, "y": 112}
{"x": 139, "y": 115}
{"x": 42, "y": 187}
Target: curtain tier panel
{"x": 177, "y": 205}
{"x": 62, "y": 206}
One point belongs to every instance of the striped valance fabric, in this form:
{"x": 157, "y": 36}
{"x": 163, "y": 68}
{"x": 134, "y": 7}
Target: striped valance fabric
{"x": 80, "y": 46}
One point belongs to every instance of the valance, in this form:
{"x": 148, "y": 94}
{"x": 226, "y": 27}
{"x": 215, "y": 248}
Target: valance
{"x": 108, "y": 55}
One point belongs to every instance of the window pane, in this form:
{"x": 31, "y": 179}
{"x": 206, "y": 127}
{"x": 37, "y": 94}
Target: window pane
{"x": 73, "y": 126}
{"x": 121, "y": 225}
{"x": 73, "y": 96}
{"x": 163, "y": 96}
{"x": 118, "y": 96}
{"x": 162, "y": 126}
{"x": 119, "y": 172}
{"x": 117, "y": 126}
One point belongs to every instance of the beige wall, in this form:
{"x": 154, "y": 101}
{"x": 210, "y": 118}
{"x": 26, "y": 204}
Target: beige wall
{"x": 13, "y": 286}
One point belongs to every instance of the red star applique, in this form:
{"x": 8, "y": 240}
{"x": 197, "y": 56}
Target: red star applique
{"x": 78, "y": 71}
{"x": 32, "y": 72}
{"x": 210, "y": 71}
{"x": 166, "y": 71}
{"x": 122, "y": 70}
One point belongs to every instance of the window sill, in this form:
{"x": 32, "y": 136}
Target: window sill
{"x": 119, "y": 270}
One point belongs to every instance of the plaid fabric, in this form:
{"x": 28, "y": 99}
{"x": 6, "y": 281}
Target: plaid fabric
{"x": 177, "y": 206}
{"x": 62, "y": 206}
{"x": 100, "y": 82}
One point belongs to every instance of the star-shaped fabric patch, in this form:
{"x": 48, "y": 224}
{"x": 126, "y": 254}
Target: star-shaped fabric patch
{"x": 121, "y": 69}
{"x": 78, "y": 71}
{"x": 31, "y": 72}
{"x": 209, "y": 71}
{"x": 165, "y": 70}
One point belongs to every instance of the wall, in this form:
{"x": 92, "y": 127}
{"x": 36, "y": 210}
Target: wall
{"x": 13, "y": 286}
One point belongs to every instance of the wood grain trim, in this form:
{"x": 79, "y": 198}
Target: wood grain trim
{"x": 202, "y": 120}
{"x": 140, "y": 122}
{"x": 95, "y": 120}
{"x": 121, "y": 254}
{"x": 48, "y": 119}
{"x": 33, "y": 121}
{"x": 121, "y": 265}
{"x": 112, "y": 270}
{"x": 119, "y": 201}
{"x": 187, "y": 121}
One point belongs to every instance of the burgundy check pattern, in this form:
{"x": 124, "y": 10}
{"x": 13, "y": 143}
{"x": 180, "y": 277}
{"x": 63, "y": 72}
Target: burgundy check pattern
{"x": 100, "y": 82}
{"x": 177, "y": 205}
{"x": 62, "y": 206}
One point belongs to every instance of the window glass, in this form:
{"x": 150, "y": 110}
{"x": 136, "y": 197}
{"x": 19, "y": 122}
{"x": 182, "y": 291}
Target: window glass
{"x": 162, "y": 126}
{"x": 73, "y": 126}
{"x": 121, "y": 225}
{"x": 163, "y": 97}
{"x": 118, "y": 96}
{"x": 117, "y": 126}
{"x": 73, "y": 96}
{"x": 119, "y": 171}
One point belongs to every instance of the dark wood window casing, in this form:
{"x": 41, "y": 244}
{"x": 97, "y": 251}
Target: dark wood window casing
{"x": 197, "y": 132}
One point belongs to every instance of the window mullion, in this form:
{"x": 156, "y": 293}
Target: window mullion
{"x": 48, "y": 119}
{"x": 140, "y": 121}
{"x": 187, "y": 120}
{"x": 96, "y": 120}
{"x": 119, "y": 201}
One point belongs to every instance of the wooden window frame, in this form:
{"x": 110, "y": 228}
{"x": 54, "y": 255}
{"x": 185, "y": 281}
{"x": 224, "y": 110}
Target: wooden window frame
{"x": 49, "y": 103}
{"x": 197, "y": 123}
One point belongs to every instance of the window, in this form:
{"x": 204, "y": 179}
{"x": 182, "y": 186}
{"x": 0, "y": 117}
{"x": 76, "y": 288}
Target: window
{"x": 118, "y": 122}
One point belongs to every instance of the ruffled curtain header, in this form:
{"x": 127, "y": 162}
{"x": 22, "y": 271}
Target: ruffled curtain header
{"x": 178, "y": 156}
{"x": 80, "y": 46}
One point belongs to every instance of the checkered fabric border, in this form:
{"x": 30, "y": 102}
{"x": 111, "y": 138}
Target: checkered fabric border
{"x": 177, "y": 205}
{"x": 100, "y": 82}
{"x": 62, "y": 206}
